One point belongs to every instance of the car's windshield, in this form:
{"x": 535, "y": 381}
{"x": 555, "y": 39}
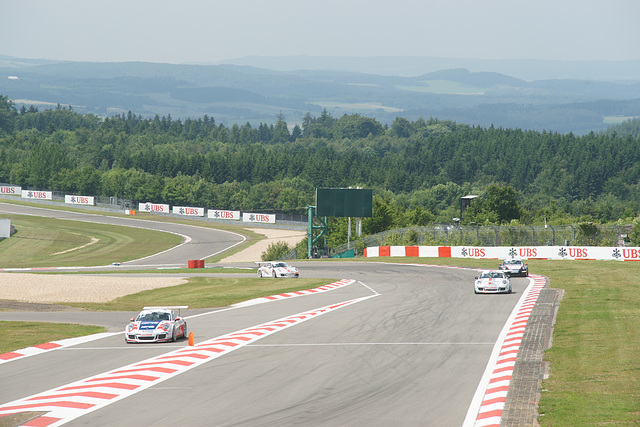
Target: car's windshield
{"x": 492, "y": 275}
{"x": 153, "y": 317}
{"x": 280, "y": 264}
{"x": 514, "y": 262}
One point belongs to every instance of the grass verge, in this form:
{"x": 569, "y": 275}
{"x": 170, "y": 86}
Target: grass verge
{"x": 18, "y": 335}
{"x": 198, "y": 292}
{"x": 45, "y": 242}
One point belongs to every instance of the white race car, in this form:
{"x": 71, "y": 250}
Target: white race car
{"x": 156, "y": 324}
{"x": 515, "y": 267}
{"x": 492, "y": 281}
{"x": 276, "y": 269}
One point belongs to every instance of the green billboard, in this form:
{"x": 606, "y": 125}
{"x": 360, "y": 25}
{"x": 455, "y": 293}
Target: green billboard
{"x": 344, "y": 202}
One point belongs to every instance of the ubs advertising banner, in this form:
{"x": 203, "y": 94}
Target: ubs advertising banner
{"x": 42, "y": 195}
{"x": 216, "y": 214}
{"x": 11, "y": 190}
{"x": 255, "y": 217}
{"x": 80, "y": 200}
{"x": 506, "y": 252}
{"x": 153, "y": 207}
{"x": 185, "y": 210}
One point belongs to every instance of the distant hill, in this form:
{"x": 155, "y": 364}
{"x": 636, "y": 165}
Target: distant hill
{"x": 240, "y": 93}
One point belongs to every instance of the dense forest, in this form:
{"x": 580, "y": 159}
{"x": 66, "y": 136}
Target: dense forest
{"x": 417, "y": 169}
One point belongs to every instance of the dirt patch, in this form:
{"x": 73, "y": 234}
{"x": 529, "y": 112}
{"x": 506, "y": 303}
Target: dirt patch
{"x": 61, "y": 288}
{"x": 43, "y": 292}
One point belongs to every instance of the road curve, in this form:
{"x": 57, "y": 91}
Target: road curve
{"x": 410, "y": 351}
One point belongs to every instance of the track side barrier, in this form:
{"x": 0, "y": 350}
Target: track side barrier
{"x": 505, "y": 252}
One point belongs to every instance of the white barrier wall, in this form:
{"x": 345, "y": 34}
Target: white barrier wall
{"x": 42, "y": 195}
{"x": 257, "y": 217}
{"x": 79, "y": 200}
{"x": 505, "y": 252}
{"x": 220, "y": 214}
{"x": 186, "y": 210}
{"x": 10, "y": 189}
{"x": 153, "y": 207}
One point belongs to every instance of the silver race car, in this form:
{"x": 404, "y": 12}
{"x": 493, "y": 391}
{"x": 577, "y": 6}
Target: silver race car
{"x": 156, "y": 324}
{"x": 276, "y": 269}
{"x": 515, "y": 267}
{"x": 492, "y": 281}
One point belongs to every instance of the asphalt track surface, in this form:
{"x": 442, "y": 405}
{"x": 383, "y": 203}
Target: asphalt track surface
{"x": 409, "y": 349}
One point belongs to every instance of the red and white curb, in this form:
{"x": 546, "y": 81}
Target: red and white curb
{"x": 325, "y": 288}
{"x": 42, "y": 348}
{"x": 490, "y": 398}
{"x": 74, "y": 400}
{"x": 53, "y": 345}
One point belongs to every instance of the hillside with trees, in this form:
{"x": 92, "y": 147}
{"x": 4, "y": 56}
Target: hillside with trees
{"x": 417, "y": 169}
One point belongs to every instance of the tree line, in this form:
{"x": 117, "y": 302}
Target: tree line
{"x": 418, "y": 169}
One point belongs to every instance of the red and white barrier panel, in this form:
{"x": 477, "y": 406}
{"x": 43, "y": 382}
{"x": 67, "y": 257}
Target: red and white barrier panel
{"x": 505, "y": 252}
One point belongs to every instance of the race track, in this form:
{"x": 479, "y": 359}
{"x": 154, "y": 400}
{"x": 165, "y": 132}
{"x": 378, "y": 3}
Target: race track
{"x": 401, "y": 345}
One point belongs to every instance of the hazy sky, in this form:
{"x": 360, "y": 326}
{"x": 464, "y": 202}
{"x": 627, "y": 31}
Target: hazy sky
{"x": 212, "y": 31}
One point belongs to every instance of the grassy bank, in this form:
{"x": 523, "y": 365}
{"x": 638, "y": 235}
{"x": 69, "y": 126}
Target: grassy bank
{"x": 45, "y": 242}
{"x": 17, "y": 335}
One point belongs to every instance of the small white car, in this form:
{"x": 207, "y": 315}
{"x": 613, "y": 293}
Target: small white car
{"x": 515, "y": 267}
{"x": 156, "y": 324}
{"x": 276, "y": 269}
{"x": 492, "y": 281}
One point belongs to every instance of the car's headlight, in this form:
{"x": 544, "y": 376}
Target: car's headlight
{"x": 504, "y": 282}
{"x": 131, "y": 327}
{"x": 163, "y": 326}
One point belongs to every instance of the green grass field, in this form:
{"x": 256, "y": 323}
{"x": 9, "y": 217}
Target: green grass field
{"x": 46, "y": 242}
{"x": 595, "y": 354}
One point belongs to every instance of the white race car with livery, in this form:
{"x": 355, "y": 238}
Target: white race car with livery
{"x": 156, "y": 324}
{"x": 276, "y": 269}
{"x": 492, "y": 282}
{"x": 515, "y": 267}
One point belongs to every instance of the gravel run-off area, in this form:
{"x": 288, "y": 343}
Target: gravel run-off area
{"x": 19, "y": 289}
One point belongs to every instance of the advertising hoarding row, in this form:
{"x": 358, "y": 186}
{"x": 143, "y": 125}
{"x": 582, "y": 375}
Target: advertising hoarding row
{"x": 507, "y": 252}
{"x": 211, "y": 213}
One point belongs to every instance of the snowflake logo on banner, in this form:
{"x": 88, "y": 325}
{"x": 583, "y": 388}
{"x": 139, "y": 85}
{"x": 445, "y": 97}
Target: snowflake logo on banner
{"x": 513, "y": 252}
{"x": 147, "y": 207}
{"x": 181, "y": 211}
{"x": 252, "y": 217}
{"x": 616, "y": 253}
{"x": 216, "y": 214}
{"x": 465, "y": 252}
{"x": 73, "y": 199}
{"x": 30, "y": 195}
{"x": 562, "y": 252}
